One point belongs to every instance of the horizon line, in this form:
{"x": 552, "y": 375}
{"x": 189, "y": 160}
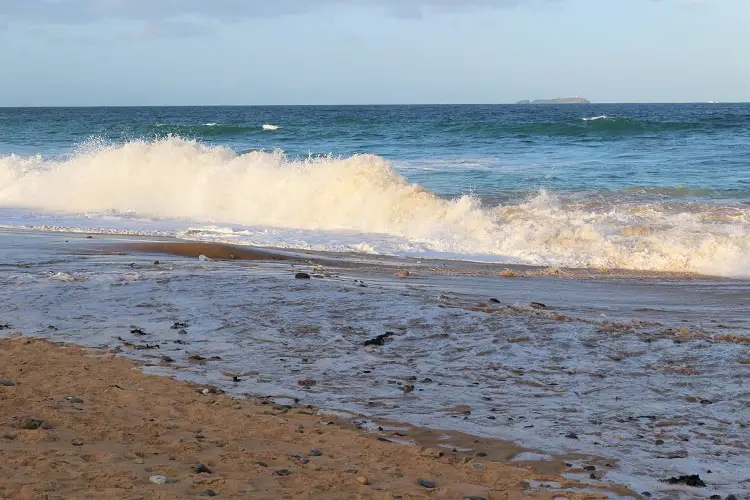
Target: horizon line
{"x": 40, "y": 106}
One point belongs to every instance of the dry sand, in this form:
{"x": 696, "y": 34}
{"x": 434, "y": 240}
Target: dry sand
{"x": 129, "y": 426}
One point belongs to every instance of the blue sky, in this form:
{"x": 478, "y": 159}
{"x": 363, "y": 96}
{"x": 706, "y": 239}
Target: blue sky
{"x": 150, "y": 52}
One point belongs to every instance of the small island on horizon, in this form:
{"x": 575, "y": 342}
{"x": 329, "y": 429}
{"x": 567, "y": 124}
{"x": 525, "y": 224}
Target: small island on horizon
{"x": 559, "y": 100}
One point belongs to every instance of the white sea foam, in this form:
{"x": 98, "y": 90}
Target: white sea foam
{"x": 268, "y": 126}
{"x": 210, "y": 124}
{"x": 594, "y": 118}
{"x": 361, "y": 202}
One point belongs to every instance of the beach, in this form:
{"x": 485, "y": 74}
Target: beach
{"x": 588, "y": 378}
{"x": 555, "y": 294}
{"x": 80, "y": 423}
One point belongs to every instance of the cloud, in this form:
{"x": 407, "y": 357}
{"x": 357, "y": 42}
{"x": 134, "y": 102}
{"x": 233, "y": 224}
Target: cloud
{"x": 163, "y": 11}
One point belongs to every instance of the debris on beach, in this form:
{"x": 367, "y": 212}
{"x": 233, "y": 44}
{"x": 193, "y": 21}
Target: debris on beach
{"x": 426, "y": 484}
{"x": 380, "y": 339}
{"x": 136, "y": 330}
{"x": 201, "y": 469}
{"x": 130, "y": 345}
{"x": 688, "y": 480}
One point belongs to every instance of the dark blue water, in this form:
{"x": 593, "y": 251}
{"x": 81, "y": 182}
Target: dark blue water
{"x": 668, "y": 150}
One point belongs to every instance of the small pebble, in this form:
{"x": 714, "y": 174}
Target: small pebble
{"x": 261, "y": 464}
{"x": 363, "y": 480}
{"x": 208, "y": 493}
{"x": 77, "y": 442}
{"x": 7, "y": 383}
{"x": 282, "y": 472}
{"x": 474, "y": 498}
{"x": 426, "y": 484}
{"x": 202, "y": 469}
{"x": 315, "y": 453}
{"x": 32, "y": 423}
{"x": 75, "y": 400}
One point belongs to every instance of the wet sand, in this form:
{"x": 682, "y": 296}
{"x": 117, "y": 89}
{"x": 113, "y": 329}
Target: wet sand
{"x": 82, "y": 423}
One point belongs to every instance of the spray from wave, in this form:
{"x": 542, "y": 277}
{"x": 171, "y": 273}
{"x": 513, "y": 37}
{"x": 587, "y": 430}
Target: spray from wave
{"x": 177, "y": 178}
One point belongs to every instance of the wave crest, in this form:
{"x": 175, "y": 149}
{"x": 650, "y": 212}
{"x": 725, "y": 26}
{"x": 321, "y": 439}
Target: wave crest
{"x": 182, "y": 179}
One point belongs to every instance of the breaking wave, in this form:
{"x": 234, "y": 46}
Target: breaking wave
{"x": 175, "y": 178}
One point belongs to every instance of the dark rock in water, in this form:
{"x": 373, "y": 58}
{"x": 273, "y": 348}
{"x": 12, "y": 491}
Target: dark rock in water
{"x": 6, "y": 383}
{"x": 715, "y": 497}
{"x": 195, "y": 358}
{"x": 426, "y": 484}
{"x": 315, "y": 453}
{"x": 202, "y": 469}
{"x": 302, "y": 276}
{"x": 156, "y": 262}
{"x": 135, "y": 330}
{"x": 688, "y": 480}
{"x": 589, "y": 468}
{"x": 307, "y": 382}
{"x": 49, "y": 327}
{"x": 5, "y": 326}
{"x": 282, "y": 472}
{"x": 537, "y": 305}
{"x": 427, "y": 381}
{"x": 89, "y": 237}
{"x": 731, "y": 497}
{"x": 659, "y": 442}
{"x": 494, "y": 301}
{"x": 408, "y": 388}
{"x": 646, "y": 493}
{"x": 380, "y": 339}
{"x": 33, "y": 424}
{"x": 182, "y": 331}
{"x": 179, "y": 325}
{"x": 167, "y": 359}
{"x": 208, "y": 493}
{"x": 571, "y": 435}
{"x": 706, "y": 402}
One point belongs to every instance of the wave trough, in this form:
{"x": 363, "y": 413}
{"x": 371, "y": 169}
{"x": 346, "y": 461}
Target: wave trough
{"x": 175, "y": 178}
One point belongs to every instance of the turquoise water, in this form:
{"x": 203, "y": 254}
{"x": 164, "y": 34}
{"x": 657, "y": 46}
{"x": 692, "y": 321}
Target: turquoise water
{"x": 640, "y": 186}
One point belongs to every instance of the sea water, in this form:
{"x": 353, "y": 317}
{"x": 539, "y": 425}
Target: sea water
{"x": 661, "y": 187}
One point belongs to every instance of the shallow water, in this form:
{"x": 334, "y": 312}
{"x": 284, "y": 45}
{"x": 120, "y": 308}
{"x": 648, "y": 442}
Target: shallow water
{"x": 618, "y": 362}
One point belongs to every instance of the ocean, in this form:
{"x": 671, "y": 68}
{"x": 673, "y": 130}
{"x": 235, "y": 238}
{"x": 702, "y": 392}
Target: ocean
{"x": 571, "y": 278}
{"x": 650, "y": 187}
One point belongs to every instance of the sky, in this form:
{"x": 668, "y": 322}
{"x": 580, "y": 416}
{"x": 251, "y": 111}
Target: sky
{"x": 205, "y": 52}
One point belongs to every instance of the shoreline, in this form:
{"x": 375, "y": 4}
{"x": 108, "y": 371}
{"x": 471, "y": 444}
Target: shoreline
{"x": 79, "y": 421}
{"x": 627, "y": 365}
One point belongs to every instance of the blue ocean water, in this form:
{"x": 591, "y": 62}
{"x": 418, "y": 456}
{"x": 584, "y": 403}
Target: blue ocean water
{"x": 641, "y": 186}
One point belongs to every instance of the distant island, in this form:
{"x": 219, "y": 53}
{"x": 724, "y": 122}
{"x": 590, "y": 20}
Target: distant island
{"x": 559, "y": 100}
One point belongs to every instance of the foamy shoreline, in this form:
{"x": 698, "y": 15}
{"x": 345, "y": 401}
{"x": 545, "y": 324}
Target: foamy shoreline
{"x": 618, "y": 349}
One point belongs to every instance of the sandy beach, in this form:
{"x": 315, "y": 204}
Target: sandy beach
{"x": 82, "y": 423}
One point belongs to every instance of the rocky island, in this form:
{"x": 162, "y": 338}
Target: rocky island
{"x": 559, "y": 100}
